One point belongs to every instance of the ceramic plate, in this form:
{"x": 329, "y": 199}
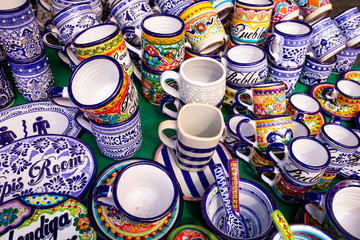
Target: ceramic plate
{"x": 111, "y": 224}
{"x": 193, "y": 184}
{"x": 353, "y": 75}
{"x": 329, "y": 108}
{"x": 37, "y": 118}
{"x": 46, "y": 163}
{"x": 45, "y": 216}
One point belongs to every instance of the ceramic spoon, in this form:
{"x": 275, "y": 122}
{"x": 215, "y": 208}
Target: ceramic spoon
{"x": 234, "y": 224}
{"x": 234, "y": 184}
{"x": 282, "y": 225}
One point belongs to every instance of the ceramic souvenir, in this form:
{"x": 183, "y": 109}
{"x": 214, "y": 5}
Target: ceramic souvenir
{"x": 42, "y": 15}
{"x": 19, "y": 32}
{"x": 246, "y": 65}
{"x": 346, "y": 59}
{"x": 348, "y": 23}
{"x": 345, "y": 93}
{"x": 300, "y": 105}
{"x": 33, "y": 79}
{"x": 304, "y": 232}
{"x": 45, "y": 163}
{"x": 7, "y": 95}
{"x": 228, "y": 100}
{"x": 222, "y": 8}
{"x": 285, "y": 10}
{"x": 46, "y": 216}
{"x": 288, "y": 43}
{"x": 353, "y": 75}
{"x": 254, "y": 158}
{"x": 314, "y": 72}
{"x": 112, "y": 224}
{"x": 300, "y": 129}
{"x": 190, "y": 231}
{"x": 251, "y": 20}
{"x": 172, "y": 6}
{"x": 288, "y": 76}
{"x": 352, "y": 168}
{"x": 200, "y": 79}
{"x": 189, "y": 53}
{"x": 314, "y": 122}
{"x": 313, "y": 10}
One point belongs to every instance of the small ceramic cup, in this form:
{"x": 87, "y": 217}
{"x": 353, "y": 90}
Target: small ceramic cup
{"x": 342, "y": 143}
{"x": 223, "y": 8}
{"x": 203, "y": 28}
{"x": 335, "y": 213}
{"x": 345, "y": 93}
{"x": 326, "y": 40}
{"x": 285, "y": 10}
{"x": 267, "y": 130}
{"x": 288, "y": 43}
{"x": 314, "y": 72}
{"x": 346, "y": 59}
{"x": 112, "y": 100}
{"x": 117, "y": 141}
{"x": 301, "y": 230}
{"x": 200, "y": 79}
{"x": 7, "y": 95}
{"x": 268, "y": 99}
{"x": 313, "y": 11}
{"x": 143, "y": 191}
{"x": 301, "y": 104}
{"x": 199, "y": 129}
{"x": 288, "y": 76}
{"x": 251, "y": 20}
{"x": 34, "y": 78}
{"x": 256, "y": 205}
{"x": 349, "y": 24}
{"x": 246, "y": 65}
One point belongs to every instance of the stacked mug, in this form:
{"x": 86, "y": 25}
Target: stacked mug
{"x": 21, "y": 40}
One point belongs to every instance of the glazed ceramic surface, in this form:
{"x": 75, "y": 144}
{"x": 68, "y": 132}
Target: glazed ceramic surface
{"x": 46, "y": 216}
{"x": 314, "y": 10}
{"x": 172, "y": 6}
{"x": 346, "y": 59}
{"x": 7, "y": 95}
{"x": 289, "y": 76}
{"x": 300, "y": 105}
{"x": 314, "y": 72}
{"x": 285, "y": 10}
{"x": 348, "y": 23}
{"x": 304, "y": 232}
{"x": 46, "y": 163}
{"x": 191, "y": 232}
{"x": 353, "y": 75}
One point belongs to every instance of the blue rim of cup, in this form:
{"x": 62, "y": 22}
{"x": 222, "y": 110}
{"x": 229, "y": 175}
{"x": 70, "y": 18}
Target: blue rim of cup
{"x": 346, "y": 95}
{"x": 284, "y": 69}
{"x": 246, "y": 64}
{"x": 299, "y": 229}
{"x": 329, "y": 202}
{"x": 111, "y": 97}
{"x": 307, "y": 95}
{"x": 306, "y": 165}
{"x": 174, "y": 182}
{"x": 268, "y": 84}
{"x": 293, "y": 35}
{"x": 325, "y": 63}
{"x": 167, "y": 35}
{"x": 304, "y": 126}
{"x": 16, "y": 9}
{"x": 270, "y": 4}
{"x": 221, "y": 234}
{"x": 334, "y": 142}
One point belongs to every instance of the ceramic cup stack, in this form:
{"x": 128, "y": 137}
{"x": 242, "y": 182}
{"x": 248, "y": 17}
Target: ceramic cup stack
{"x": 21, "y": 40}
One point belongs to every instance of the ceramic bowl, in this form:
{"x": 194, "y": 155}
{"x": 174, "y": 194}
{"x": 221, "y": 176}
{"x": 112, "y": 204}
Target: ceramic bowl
{"x": 303, "y": 232}
{"x": 256, "y": 205}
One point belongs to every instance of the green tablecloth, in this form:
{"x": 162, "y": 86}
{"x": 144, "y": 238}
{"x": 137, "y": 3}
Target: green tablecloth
{"x": 151, "y": 117}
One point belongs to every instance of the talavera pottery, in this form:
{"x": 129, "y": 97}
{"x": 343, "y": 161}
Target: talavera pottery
{"x": 45, "y": 216}
{"x": 191, "y": 232}
{"x": 353, "y": 75}
{"x": 329, "y": 108}
{"x": 112, "y": 224}
{"x": 314, "y": 72}
{"x": 346, "y": 59}
{"x": 37, "y": 118}
{"x": 7, "y": 95}
{"x": 193, "y": 184}
{"x": 352, "y": 168}
{"x": 348, "y": 23}
{"x": 357, "y": 120}
{"x": 303, "y": 232}
{"x": 45, "y": 163}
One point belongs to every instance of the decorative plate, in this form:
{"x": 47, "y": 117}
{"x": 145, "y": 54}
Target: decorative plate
{"x": 37, "y": 118}
{"x": 45, "y": 216}
{"x": 329, "y": 108}
{"x": 353, "y": 75}
{"x": 191, "y": 232}
{"x": 111, "y": 224}
{"x": 46, "y": 163}
{"x": 193, "y": 184}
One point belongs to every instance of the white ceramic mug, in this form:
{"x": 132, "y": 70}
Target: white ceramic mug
{"x": 300, "y": 105}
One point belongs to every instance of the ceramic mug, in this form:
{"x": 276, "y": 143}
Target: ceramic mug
{"x": 19, "y": 32}
{"x": 267, "y": 130}
{"x": 255, "y": 158}
{"x": 285, "y": 10}
{"x": 189, "y": 53}
{"x": 117, "y": 141}
{"x": 301, "y": 230}
{"x": 203, "y": 28}
{"x": 342, "y": 143}
{"x": 268, "y": 99}
{"x": 349, "y": 24}
{"x": 346, "y": 59}
{"x": 222, "y": 8}
{"x": 172, "y": 6}
{"x": 313, "y": 11}
{"x": 199, "y": 128}
{"x": 33, "y": 79}
{"x": 7, "y": 95}
{"x": 301, "y": 104}
{"x": 251, "y": 20}
{"x": 314, "y": 72}
{"x": 143, "y": 191}
{"x": 112, "y": 100}
{"x": 200, "y": 79}
{"x": 246, "y": 65}
{"x": 345, "y": 93}
{"x": 288, "y": 43}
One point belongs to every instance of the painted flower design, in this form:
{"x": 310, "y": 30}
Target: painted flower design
{"x": 4, "y": 160}
{"x": 77, "y": 182}
{"x": 152, "y": 57}
{"x": 20, "y": 149}
{"x": 259, "y": 110}
{"x": 127, "y": 137}
{"x": 76, "y": 150}
{"x": 55, "y": 184}
{"x": 30, "y": 42}
{"x": 82, "y": 223}
{"x": 200, "y": 27}
{"x": 343, "y": 158}
{"x": 86, "y": 22}
{"x": 36, "y": 90}
{"x": 59, "y": 145}
{"x": 20, "y": 165}
{"x": 113, "y": 212}
{"x": 8, "y": 216}
{"x": 67, "y": 31}
{"x": 282, "y": 135}
{"x": 41, "y": 144}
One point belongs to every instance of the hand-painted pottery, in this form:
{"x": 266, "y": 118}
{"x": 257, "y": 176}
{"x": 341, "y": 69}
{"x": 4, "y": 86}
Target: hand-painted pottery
{"x": 170, "y": 6}
{"x": 37, "y": 118}
{"x": 189, "y": 53}
{"x": 314, "y": 122}
{"x": 345, "y": 93}
{"x": 191, "y": 232}
{"x": 222, "y": 8}
{"x": 300, "y": 105}
{"x": 288, "y": 76}
{"x": 353, "y": 75}
{"x": 254, "y": 158}
{"x": 314, "y": 72}
{"x": 313, "y": 10}
{"x": 285, "y": 10}
{"x": 45, "y": 216}
{"x": 42, "y": 14}
{"x": 45, "y": 163}
{"x": 352, "y": 167}
{"x": 19, "y": 32}
{"x": 228, "y": 100}
{"x": 348, "y": 23}
{"x": 7, "y": 95}
{"x": 346, "y": 59}
{"x": 112, "y": 224}
{"x": 303, "y": 232}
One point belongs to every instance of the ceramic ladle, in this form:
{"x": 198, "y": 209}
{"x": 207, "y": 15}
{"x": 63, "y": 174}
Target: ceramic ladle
{"x": 234, "y": 225}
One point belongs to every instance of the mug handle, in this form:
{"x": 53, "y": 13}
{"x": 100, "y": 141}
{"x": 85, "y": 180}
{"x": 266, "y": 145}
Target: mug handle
{"x": 240, "y": 92}
{"x": 168, "y": 124}
{"x": 273, "y": 40}
{"x": 329, "y": 93}
{"x": 244, "y": 138}
{"x": 51, "y": 29}
{"x": 335, "y": 119}
{"x": 170, "y": 90}
{"x": 103, "y": 196}
{"x": 133, "y": 49}
{"x": 314, "y": 204}
{"x": 279, "y": 147}
{"x": 82, "y": 121}
{"x": 74, "y": 60}
{"x": 240, "y": 155}
{"x": 268, "y": 169}
{"x": 60, "y": 96}
{"x": 168, "y": 112}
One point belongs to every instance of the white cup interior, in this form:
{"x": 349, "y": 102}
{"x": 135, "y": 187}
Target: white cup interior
{"x": 163, "y": 24}
{"x": 203, "y": 71}
{"x": 305, "y": 103}
{"x": 310, "y": 152}
{"x": 349, "y": 88}
{"x": 341, "y": 135}
{"x": 7, "y": 5}
{"x": 245, "y": 54}
{"x": 292, "y": 28}
{"x": 94, "y": 34}
{"x": 346, "y": 209}
{"x": 145, "y": 191}
{"x": 95, "y": 81}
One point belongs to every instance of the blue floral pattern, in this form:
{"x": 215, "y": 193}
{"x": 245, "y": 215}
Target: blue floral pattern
{"x": 77, "y": 150}
{"x": 77, "y": 182}
{"x": 41, "y": 144}
{"x": 20, "y": 149}
{"x": 20, "y": 165}
{"x": 60, "y": 144}
{"x": 55, "y": 184}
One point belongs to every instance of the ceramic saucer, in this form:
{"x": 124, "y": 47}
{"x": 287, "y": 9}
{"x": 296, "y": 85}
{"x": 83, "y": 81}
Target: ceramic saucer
{"x": 329, "y": 108}
{"x": 353, "y": 75}
{"x": 193, "y": 184}
{"x": 110, "y": 224}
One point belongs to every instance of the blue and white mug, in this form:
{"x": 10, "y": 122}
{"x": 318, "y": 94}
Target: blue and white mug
{"x": 314, "y": 72}
{"x": 349, "y": 24}
{"x": 346, "y": 59}
{"x": 172, "y": 6}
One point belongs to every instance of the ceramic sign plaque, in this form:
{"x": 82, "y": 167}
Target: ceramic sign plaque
{"x": 45, "y": 216}
{"x": 46, "y": 163}
{"x": 37, "y": 118}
